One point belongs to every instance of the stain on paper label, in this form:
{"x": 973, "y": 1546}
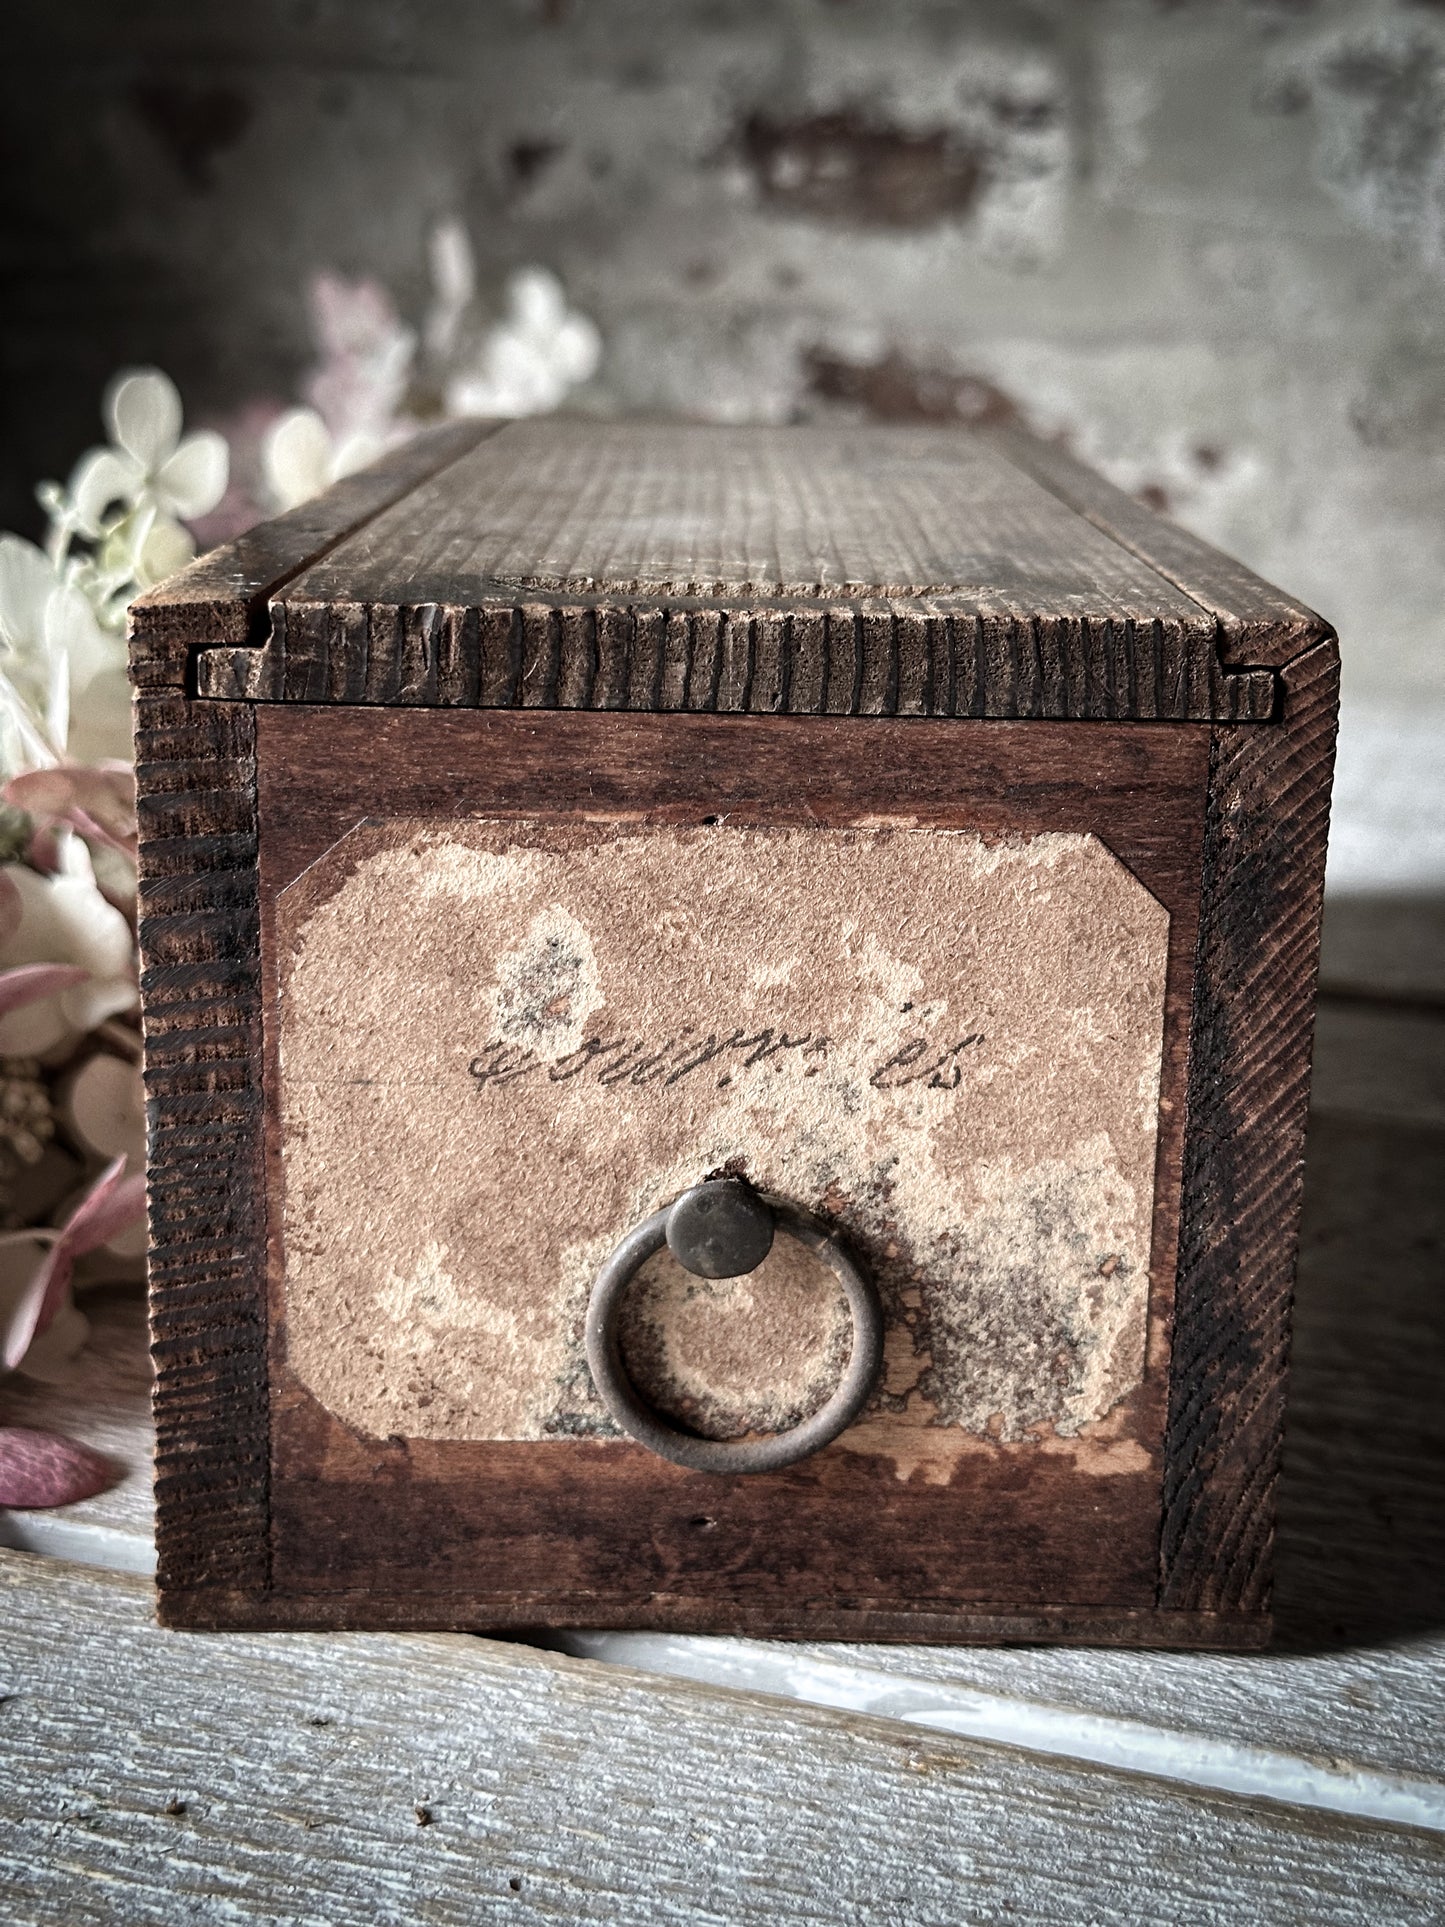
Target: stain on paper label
{"x": 503, "y": 1043}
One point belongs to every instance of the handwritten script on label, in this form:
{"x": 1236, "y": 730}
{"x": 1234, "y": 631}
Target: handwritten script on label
{"x": 633, "y": 1004}
{"x": 622, "y": 1060}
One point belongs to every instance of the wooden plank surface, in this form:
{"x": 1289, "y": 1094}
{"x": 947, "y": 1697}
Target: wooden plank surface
{"x": 219, "y": 597}
{"x": 154, "y": 1775}
{"x": 886, "y": 571}
{"x": 1249, "y": 1079}
{"x": 200, "y": 986}
{"x": 1257, "y": 622}
{"x": 569, "y": 507}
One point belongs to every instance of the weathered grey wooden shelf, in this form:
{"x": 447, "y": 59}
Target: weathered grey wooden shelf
{"x": 156, "y": 1776}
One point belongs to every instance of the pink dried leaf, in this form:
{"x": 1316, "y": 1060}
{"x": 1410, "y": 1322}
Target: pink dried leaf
{"x": 43, "y": 852}
{"x": 27, "y": 983}
{"x": 101, "y": 794}
{"x": 43, "y": 1469}
{"x": 37, "y": 1304}
{"x": 95, "y": 832}
{"x": 113, "y": 1202}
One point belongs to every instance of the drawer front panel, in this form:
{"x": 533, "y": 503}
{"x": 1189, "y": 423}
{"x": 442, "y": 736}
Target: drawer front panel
{"x": 525, "y": 984}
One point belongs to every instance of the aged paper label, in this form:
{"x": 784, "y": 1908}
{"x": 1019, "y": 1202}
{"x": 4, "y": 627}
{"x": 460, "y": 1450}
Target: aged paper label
{"x": 502, "y": 1043}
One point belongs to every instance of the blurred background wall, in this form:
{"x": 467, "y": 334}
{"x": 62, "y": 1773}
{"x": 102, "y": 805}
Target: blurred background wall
{"x": 1202, "y": 241}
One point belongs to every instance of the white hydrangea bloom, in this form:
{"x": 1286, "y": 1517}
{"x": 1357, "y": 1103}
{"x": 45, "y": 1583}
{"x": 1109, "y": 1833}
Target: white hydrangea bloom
{"x": 149, "y": 464}
{"x": 300, "y": 457}
{"x": 538, "y": 351}
{"x": 454, "y": 286}
{"x": 53, "y": 649}
{"x": 65, "y": 919}
{"x": 524, "y": 364}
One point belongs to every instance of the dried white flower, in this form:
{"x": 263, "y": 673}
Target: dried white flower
{"x": 65, "y": 919}
{"x": 53, "y": 648}
{"x": 149, "y": 465}
{"x": 524, "y": 364}
{"x": 535, "y": 354}
{"x": 454, "y": 286}
{"x": 367, "y": 352}
{"x": 103, "y": 1105}
{"x": 300, "y": 457}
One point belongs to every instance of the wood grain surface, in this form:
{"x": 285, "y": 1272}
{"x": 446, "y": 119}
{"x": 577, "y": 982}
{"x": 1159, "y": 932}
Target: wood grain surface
{"x": 801, "y": 570}
{"x": 369, "y": 1777}
{"x": 1259, "y": 929}
{"x": 1258, "y": 623}
{"x": 200, "y": 984}
{"x": 221, "y": 596}
{"x": 1071, "y": 609}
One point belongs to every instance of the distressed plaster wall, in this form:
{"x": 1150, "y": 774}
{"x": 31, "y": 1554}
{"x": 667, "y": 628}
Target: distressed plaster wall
{"x": 1204, "y": 241}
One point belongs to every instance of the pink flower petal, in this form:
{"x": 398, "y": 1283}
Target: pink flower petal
{"x": 29, "y": 982}
{"x": 102, "y": 794}
{"x": 43, "y": 853}
{"x": 101, "y": 1213}
{"x": 43, "y": 1469}
{"x": 112, "y": 1202}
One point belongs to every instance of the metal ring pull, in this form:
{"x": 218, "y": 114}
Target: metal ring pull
{"x": 722, "y": 1229}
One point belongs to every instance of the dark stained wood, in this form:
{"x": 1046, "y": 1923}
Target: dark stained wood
{"x": 200, "y": 980}
{"x": 868, "y": 659}
{"x": 743, "y": 582}
{"x": 222, "y": 596}
{"x": 795, "y": 571}
{"x": 612, "y": 1526}
{"x": 200, "y": 977}
{"x": 323, "y": 770}
{"x": 1264, "y": 862}
{"x": 1258, "y": 624}
{"x": 369, "y": 1608}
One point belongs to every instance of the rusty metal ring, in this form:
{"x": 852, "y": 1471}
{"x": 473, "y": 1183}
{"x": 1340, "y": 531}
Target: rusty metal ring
{"x": 645, "y": 1424}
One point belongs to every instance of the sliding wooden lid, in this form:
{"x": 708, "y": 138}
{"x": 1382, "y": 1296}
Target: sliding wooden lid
{"x": 801, "y": 570}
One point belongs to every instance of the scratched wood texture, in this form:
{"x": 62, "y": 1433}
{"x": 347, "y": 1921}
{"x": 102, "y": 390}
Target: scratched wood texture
{"x": 200, "y": 989}
{"x": 1258, "y": 623}
{"x": 221, "y": 598}
{"x": 1249, "y": 1077}
{"x": 363, "y": 1777}
{"x": 1263, "y": 863}
{"x": 901, "y": 571}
